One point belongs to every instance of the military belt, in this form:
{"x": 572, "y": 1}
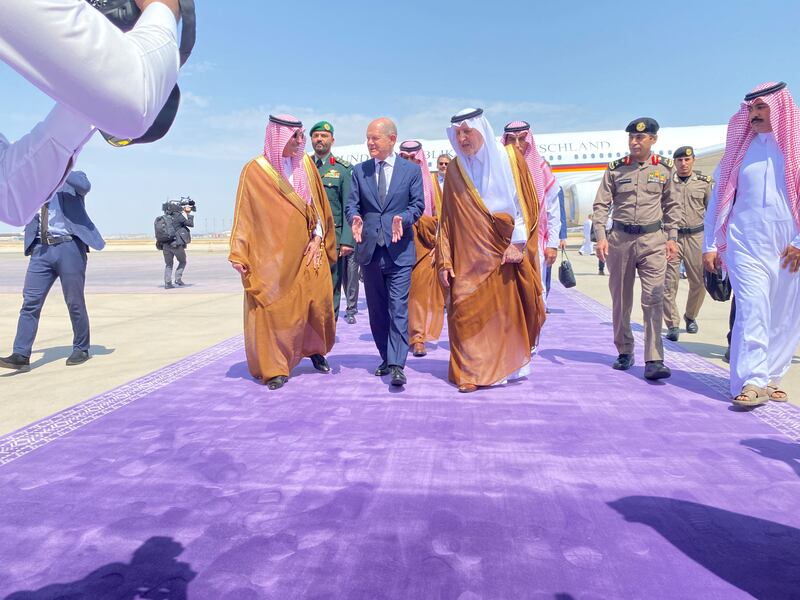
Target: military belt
{"x": 637, "y": 229}
{"x": 690, "y": 230}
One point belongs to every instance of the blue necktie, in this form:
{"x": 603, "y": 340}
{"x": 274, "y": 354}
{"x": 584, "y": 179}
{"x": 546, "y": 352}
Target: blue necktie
{"x": 381, "y": 197}
{"x": 382, "y": 183}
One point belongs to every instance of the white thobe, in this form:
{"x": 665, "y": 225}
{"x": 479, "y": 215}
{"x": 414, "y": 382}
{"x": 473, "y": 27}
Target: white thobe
{"x": 588, "y": 246}
{"x": 117, "y": 82}
{"x": 288, "y": 172}
{"x": 766, "y": 331}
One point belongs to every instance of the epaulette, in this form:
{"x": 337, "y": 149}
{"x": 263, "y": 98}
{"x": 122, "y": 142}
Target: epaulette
{"x": 625, "y": 160}
{"x": 343, "y": 162}
{"x": 705, "y": 178}
{"x": 663, "y": 160}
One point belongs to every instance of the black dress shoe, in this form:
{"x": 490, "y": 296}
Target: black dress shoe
{"x": 179, "y": 283}
{"x": 17, "y": 362}
{"x": 623, "y": 362}
{"x": 350, "y": 319}
{"x": 383, "y": 369}
{"x": 655, "y": 369}
{"x": 673, "y": 333}
{"x": 168, "y": 286}
{"x": 320, "y": 363}
{"x": 727, "y": 357}
{"x": 276, "y": 382}
{"x": 398, "y": 377}
{"x": 691, "y": 325}
{"x": 78, "y": 357}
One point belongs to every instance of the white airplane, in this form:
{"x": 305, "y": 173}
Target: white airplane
{"x": 579, "y": 159}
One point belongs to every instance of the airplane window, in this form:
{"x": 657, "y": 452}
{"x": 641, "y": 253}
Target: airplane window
{"x": 584, "y": 156}
{"x": 592, "y": 155}
{"x": 617, "y": 154}
{"x": 576, "y": 157}
{"x": 559, "y": 157}
{"x": 670, "y": 152}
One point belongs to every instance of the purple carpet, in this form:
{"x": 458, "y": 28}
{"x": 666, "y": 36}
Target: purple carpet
{"x": 578, "y": 483}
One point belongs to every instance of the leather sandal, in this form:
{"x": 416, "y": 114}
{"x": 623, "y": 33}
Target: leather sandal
{"x": 751, "y": 396}
{"x": 776, "y": 394}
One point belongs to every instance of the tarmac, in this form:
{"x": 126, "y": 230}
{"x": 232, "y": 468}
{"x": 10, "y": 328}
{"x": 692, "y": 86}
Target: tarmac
{"x": 139, "y": 327}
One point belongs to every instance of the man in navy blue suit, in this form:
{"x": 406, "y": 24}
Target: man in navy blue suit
{"x": 386, "y": 199}
{"x": 57, "y": 240}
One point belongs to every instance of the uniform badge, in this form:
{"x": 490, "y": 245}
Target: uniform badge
{"x": 326, "y": 127}
{"x": 656, "y": 177}
{"x": 333, "y": 173}
{"x": 688, "y": 152}
{"x": 640, "y": 126}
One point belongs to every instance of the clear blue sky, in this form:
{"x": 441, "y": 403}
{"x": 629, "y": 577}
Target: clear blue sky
{"x": 563, "y": 66}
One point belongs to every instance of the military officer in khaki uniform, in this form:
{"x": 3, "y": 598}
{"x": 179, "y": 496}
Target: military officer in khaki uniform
{"x": 692, "y": 191}
{"x": 642, "y": 239}
{"x": 336, "y": 175}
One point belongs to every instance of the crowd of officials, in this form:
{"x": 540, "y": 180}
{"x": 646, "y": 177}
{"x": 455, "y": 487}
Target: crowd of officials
{"x": 473, "y": 241}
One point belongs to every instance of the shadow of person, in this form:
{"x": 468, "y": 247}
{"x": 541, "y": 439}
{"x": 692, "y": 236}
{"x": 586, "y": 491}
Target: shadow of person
{"x": 153, "y": 574}
{"x": 787, "y": 452}
{"x": 55, "y": 353}
{"x": 757, "y": 556}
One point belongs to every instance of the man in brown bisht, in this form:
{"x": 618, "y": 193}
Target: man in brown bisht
{"x": 426, "y": 298}
{"x": 283, "y": 243}
{"x": 487, "y": 254}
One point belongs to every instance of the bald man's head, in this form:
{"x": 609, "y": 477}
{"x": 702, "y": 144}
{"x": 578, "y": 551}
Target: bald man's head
{"x": 381, "y": 138}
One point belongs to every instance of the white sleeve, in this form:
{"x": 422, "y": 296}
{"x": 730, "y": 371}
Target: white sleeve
{"x": 35, "y": 166}
{"x": 520, "y": 231}
{"x": 553, "y": 217}
{"x": 318, "y": 230}
{"x": 710, "y": 220}
{"x": 69, "y": 50}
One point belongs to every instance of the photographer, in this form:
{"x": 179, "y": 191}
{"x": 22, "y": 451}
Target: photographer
{"x": 177, "y": 219}
{"x": 100, "y": 76}
{"x": 57, "y": 241}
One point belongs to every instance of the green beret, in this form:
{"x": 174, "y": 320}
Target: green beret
{"x": 683, "y": 151}
{"x": 322, "y": 126}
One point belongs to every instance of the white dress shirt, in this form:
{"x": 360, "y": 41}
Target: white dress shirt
{"x": 761, "y": 193}
{"x": 388, "y": 169}
{"x": 116, "y": 81}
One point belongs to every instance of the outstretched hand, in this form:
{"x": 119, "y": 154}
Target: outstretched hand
{"x": 357, "y": 227}
{"x": 397, "y": 229}
{"x": 240, "y": 268}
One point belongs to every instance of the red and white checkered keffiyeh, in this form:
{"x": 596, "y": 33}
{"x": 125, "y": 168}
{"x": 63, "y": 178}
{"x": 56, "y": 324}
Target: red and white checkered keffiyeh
{"x": 275, "y": 141}
{"x": 785, "y": 118}
{"x": 427, "y": 182}
{"x": 543, "y": 178}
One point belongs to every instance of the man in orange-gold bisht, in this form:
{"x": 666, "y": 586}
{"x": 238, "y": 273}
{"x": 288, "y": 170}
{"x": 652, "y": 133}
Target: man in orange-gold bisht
{"x": 426, "y": 298}
{"x": 283, "y": 243}
{"x": 487, "y": 254}
{"x": 519, "y": 134}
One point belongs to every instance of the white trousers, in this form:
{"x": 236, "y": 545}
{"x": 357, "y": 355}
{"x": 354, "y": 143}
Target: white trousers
{"x": 766, "y": 331}
{"x": 588, "y": 247}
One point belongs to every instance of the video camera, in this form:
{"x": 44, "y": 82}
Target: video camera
{"x": 187, "y": 201}
{"x": 176, "y": 206}
{"x": 124, "y": 14}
